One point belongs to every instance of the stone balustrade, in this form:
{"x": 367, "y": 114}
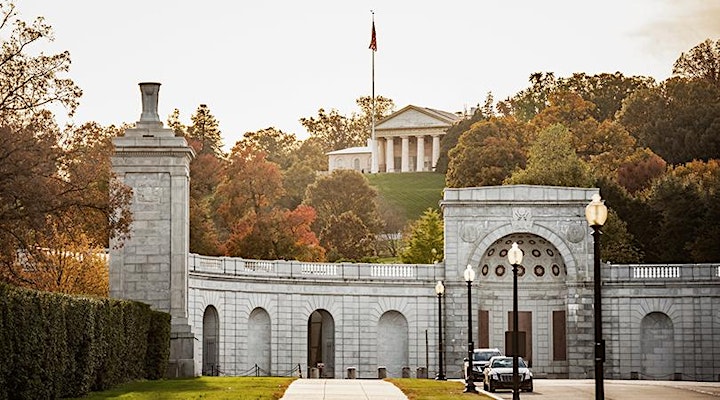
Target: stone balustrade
{"x": 313, "y": 270}
{"x": 654, "y": 273}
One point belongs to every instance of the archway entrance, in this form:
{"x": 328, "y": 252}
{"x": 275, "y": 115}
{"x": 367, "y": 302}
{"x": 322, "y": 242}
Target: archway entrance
{"x": 259, "y": 340}
{"x": 211, "y": 342}
{"x": 321, "y": 343}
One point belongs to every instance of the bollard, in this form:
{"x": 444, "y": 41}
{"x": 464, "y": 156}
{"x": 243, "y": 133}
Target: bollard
{"x": 421, "y": 373}
{"x": 382, "y": 372}
{"x": 405, "y": 372}
{"x": 634, "y": 375}
{"x": 677, "y": 376}
{"x": 314, "y": 373}
{"x": 351, "y": 373}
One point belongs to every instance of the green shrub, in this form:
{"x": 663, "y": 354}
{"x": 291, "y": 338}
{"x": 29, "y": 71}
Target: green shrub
{"x": 54, "y": 345}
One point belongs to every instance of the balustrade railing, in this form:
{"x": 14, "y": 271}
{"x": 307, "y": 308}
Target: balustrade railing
{"x": 312, "y": 270}
{"x": 660, "y": 272}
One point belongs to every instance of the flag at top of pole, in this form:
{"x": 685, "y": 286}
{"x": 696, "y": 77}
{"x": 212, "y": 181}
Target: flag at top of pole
{"x": 373, "y": 39}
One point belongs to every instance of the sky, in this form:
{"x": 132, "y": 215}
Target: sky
{"x": 259, "y": 64}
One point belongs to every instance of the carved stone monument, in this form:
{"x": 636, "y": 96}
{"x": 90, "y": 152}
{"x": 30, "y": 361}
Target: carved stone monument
{"x": 152, "y": 266}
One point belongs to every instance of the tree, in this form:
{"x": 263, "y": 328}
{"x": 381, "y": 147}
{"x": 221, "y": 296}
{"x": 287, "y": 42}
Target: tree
{"x": 679, "y": 120}
{"x": 277, "y": 145}
{"x": 487, "y": 153}
{"x": 637, "y": 172}
{"x": 29, "y": 83}
{"x": 605, "y": 91}
{"x": 618, "y": 245}
{"x": 63, "y": 260}
{"x": 425, "y": 243}
{"x": 346, "y": 237}
{"x": 334, "y": 131}
{"x": 450, "y": 139}
{"x": 393, "y": 220}
{"x": 701, "y": 62}
{"x": 205, "y": 129}
{"x": 348, "y": 193}
{"x": 526, "y": 104}
{"x": 253, "y": 224}
{"x": 552, "y": 161}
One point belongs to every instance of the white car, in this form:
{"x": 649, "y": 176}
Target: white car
{"x": 499, "y": 374}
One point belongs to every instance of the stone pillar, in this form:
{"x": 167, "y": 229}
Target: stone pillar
{"x": 405, "y": 161}
{"x": 435, "y": 151}
{"x": 152, "y": 265}
{"x": 390, "y": 154}
{"x": 420, "y": 164}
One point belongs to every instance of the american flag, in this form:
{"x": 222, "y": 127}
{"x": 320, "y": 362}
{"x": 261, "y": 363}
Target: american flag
{"x": 373, "y": 39}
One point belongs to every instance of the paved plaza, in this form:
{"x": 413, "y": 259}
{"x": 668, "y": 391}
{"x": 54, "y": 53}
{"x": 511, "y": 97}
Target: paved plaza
{"x": 584, "y": 389}
{"x": 342, "y": 389}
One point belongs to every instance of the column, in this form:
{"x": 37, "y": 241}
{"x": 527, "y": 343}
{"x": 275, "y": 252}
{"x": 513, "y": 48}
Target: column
{"x": 405, "y": 162}
{"x": 374, "y": 161}
{"x": 420, "y": 165}
{"x": 389, "y": 154}
{"x": 435, "y": 150}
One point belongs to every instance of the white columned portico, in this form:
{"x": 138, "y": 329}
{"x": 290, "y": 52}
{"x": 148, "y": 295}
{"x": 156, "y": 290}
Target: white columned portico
{"x": 389, "y": 154}
{"x": 405, "y": 162}
{"x": 420, "y": 162}
{"x": 435, "y": 150}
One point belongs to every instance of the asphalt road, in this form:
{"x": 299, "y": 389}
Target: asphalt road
{"x": 572, "y": 389}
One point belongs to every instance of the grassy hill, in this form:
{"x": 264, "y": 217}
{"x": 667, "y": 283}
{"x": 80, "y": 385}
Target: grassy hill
{"x": 413, "y": 192}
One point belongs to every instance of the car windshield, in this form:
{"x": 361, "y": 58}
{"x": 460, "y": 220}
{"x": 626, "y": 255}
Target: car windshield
{"x": 484, "y": 355}
{"x": 507, "y": 363}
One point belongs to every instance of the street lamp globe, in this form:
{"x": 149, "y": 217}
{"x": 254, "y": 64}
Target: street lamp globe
{"x": 596, "y": 212}
{"x": 515, "y": 255}
{"x": 439, "y": 288}
{"x": 469, "y": 274}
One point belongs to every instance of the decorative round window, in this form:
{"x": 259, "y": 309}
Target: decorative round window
{"x": 491, "y": 252}
{"x": 555, "y": 270}
{"x": 520, "y": 270}
{"x": 550, "y": 252}
{"x": 539, "y": 270}
{"x": 536, "y": 253}
{"x": 500, "y": 270}
{"x": 485, "y": 269}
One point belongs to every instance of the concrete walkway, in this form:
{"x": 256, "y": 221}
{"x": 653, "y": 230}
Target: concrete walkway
{"x": 342, "y": 389}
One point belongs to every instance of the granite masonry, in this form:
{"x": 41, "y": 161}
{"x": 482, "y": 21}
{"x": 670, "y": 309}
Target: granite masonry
{"x": 244, "y": 317}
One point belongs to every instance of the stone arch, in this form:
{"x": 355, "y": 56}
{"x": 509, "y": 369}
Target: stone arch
{"x": 321, "y": 342}
{"x": 259, "y": 341}
{"x": 478, "y": 250}
{"x": 393, "y": 342}
{"x": 211, "y": 342}
{"x": 657, "y": 346}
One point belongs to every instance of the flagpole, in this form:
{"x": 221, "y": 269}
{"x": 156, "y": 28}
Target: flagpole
{"x": 374, "y": 149}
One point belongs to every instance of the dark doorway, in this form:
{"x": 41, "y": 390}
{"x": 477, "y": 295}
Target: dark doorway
{"x": 321, "y": 343}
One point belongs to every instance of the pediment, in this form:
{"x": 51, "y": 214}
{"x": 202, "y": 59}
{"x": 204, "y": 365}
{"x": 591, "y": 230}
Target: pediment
{"x": 416, "y": 117}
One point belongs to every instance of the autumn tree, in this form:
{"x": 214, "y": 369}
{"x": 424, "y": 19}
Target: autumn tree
{"x": 348, "y": 194}
{"x": 450, "y": 139}
{"x": 424, "y": 243}
{"x": 346, "y": 237}
{"x": 252, "y": 223}
{"x": 701, "y": 62}
{"x": 639, "y": 170}
{"x": 487, "y": 153}
{"x": 553, "y": 161}
{"x": 277, "y": 145}
{"x": 205, "y": 129}
{"x": 30, "y": 82}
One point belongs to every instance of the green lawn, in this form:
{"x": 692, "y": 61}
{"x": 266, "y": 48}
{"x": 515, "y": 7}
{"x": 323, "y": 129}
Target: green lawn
{"x": 205, "y": 388}
{"x": 429, "y": 389}
{"x": 412, "y": 192}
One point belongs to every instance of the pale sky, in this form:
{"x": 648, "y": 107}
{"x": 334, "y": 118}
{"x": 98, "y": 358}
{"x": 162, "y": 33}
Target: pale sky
{"x": 258, "y": 64}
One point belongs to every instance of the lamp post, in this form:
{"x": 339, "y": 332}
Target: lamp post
{"x": 469, "y": 276}
{"x": 596, "y": 214}
{"x": 515, "y": 256}
{"x": 440, "y": 291}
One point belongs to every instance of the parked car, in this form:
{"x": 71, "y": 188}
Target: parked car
{"x": 481, "y": 357}
{"x": 499, "y": 374}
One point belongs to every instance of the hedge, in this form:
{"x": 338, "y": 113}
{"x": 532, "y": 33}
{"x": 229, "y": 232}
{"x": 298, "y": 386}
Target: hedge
{"x": 54, "y": 345}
